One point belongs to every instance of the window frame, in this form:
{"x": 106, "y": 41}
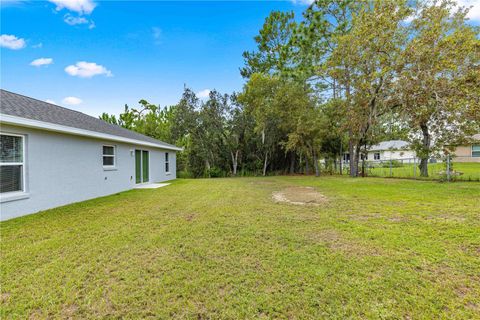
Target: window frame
{"x": 375, "y": 156}
{"x": 114, "y": 156}
{"x": 475, "y": 151}
{"x": 22, "y": 164}
{"x": 167, "y": 163}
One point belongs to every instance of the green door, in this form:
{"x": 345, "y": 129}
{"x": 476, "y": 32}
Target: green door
{"x": 142, "y": 169}
{"x": 138, "y": 166}
{"x": 145, "y": 169}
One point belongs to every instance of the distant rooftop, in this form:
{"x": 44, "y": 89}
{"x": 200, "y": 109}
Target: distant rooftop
{"x": 390, "y": 145}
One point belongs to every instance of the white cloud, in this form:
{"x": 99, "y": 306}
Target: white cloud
{"x": 11, "y": 42}
{"x": 50, "y": 101}
{"x": 78, "y": 6}
{"x": 37, "y": 46}
{"x": 71, "y": 20}
{"x": 85, "y": 69}
{"x": 73, "y": 101}
{"x": 203, "y": 94}
{"x": 41, "y": 62}
{"x": 303, "y": 2}
{"x": 474, "y": 13}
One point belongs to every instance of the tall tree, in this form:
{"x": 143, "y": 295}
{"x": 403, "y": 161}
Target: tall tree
{"x": 438, "y": 79}
{"x": 273, "y": 46}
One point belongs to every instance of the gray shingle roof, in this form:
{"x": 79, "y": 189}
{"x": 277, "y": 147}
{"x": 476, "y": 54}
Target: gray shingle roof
{"x": 21, "y": 106}
{"x": 390, "y": 145}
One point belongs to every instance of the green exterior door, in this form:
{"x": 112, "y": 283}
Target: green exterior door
{"x": 138, "y": 166}
{"x": 142, "y": 169}
{"x": 145, "y": 168}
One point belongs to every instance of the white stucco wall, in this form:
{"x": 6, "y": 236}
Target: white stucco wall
{"x": 62, "y": 169}
{"x": 392, "y": 154}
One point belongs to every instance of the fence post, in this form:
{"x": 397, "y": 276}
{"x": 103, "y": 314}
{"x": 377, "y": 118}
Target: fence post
{"x": 448, "y": 167}
{"x": 391, "y": 167}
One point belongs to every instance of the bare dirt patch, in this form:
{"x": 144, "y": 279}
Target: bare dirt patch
{"x": 299, "y": 196}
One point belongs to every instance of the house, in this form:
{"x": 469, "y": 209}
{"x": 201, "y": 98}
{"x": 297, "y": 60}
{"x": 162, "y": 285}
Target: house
{"x": 469, "y": 152}
{"x": 387, "y": 150}
{"x": 391, "y": 150}
{"x": 52, "y": 156}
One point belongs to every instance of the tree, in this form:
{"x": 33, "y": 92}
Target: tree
{"x": 273, "y": 46}
{"x": 439, "y": 79}
{"x": 364, "y": 62}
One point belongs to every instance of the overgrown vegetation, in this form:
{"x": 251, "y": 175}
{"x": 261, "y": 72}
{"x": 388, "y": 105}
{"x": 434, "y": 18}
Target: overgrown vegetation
{"x": 223, "y": 249}
{"x": 345, "y": 75}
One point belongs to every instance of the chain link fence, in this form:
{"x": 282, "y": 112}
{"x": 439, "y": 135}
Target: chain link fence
{"x": 444, "y": 169}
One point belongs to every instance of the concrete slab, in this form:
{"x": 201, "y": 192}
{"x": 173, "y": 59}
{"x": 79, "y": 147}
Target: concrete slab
{"x": 151, "y": 185}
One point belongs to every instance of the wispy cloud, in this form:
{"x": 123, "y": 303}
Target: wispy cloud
{"x": 71, "y": 20}
{"x": 80, "y": 8}
{"x": 157, "y": 35}
{"x": 73, "y": 101}
{"x": 203, "y": 94}
{"x": 12, "y": 42}
{"x": 302, "y": 2}
{"x": 85, "y": 69}
{"x": 37, "y": 46}
{"x": 41, "y": 62}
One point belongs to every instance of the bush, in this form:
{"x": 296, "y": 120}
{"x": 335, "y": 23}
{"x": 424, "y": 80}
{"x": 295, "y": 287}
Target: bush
{"x": 394, "y": 164}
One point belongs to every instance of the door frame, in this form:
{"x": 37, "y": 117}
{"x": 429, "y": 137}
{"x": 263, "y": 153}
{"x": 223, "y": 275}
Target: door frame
{"x": 141, "y": 165}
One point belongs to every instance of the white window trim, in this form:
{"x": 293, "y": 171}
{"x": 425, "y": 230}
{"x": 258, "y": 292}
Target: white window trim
{"x": 18, "y": 194}
{"x": 167, "y": 162}
{"x": 375, "y": 156}
{"x": 114, "y": 156}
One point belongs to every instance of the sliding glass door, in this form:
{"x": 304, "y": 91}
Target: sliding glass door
{"x": 142, "y": 170}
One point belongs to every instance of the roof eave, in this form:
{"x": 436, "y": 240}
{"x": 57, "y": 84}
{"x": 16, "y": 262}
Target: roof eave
{"x": 29, "y": 123}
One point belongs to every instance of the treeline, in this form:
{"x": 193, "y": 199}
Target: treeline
{"x": 344, "y": 76}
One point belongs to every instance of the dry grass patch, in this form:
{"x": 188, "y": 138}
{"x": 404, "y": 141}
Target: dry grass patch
{"x": 336, "y": 242}
{"x": 299, "y": 196}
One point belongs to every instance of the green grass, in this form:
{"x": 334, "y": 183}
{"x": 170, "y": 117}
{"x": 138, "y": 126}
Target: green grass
{"x": 436, "y": 171}
{"x": 220, "y": 248}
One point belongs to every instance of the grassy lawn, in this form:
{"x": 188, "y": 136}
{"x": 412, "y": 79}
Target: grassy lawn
{"x": 221, "y": 248}
{"x": 470, "y": 171}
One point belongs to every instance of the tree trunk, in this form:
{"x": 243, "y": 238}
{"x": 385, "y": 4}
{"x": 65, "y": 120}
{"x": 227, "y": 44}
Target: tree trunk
{"x": 307, "y": 169}
{"x": 351, "y": 161}
{"x": 265, "y": 164}
{"x": 234, "y": 162}
{"x": 315, "y": 164}
{"x": 292, "y": 162}
{"x": 207, "y": 167}
{"x": 425, "y": 154}
{"x": 356, "y": 160}
{"x": 341, "y": 159}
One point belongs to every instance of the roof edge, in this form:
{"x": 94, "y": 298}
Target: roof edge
{"x": 36, "y": 124}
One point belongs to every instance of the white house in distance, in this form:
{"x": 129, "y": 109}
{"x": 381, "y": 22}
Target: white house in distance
{"x": 391, "y": 150}
{"x": 52, "y": 156}
{"x": 388, "y": 150}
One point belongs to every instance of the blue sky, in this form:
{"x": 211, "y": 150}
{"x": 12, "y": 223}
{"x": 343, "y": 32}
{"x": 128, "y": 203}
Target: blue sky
{"x": 97, "y": 56}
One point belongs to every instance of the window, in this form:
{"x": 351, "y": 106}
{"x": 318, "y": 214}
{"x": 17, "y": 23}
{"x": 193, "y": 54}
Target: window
{"x": 12, "y": 163}
{"x": 376, "y": 156}
{"x": 167, "y": 163}
{"x": 476, "y": 150}
{"x": 108, "y": 156}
